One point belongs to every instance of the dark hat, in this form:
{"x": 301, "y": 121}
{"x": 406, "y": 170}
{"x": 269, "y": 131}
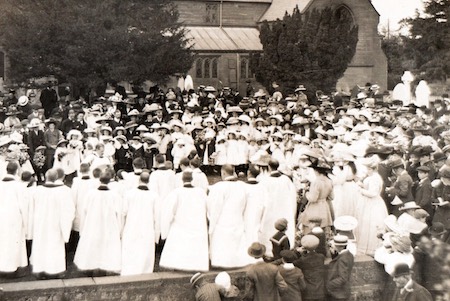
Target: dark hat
{"x": 196, "y": 278}
{"x": 257, "y": 250}
{"x": 397, "y": 163}
{"x": 425, "y": 150}
{"x": 288, "y": 256}
{"x": 401, "y": 269}
{"x": 439, "y": 157}
{"x": 436, "y": 229}
{"x": 423, "y": 168}
{"x": 281, "y": 224}
{"x": 381, "y": 150}
{"x": 445, "y": 173}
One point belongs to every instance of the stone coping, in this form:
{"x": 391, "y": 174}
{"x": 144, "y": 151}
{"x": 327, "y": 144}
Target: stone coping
{"x": 119, "y": 280}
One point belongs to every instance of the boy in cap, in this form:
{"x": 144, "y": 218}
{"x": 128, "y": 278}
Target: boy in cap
{"x": 280, "y": 240}
{"x": 339, "y": 270}
{"x": 292, "y": 275}
{"x": 406, "y": 288}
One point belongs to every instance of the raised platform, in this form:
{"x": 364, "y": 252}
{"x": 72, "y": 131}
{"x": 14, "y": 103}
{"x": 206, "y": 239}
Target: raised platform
{"x": 368, "y": 280}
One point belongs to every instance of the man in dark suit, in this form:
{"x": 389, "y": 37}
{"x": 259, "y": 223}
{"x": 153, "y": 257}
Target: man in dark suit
{"x": 402, "y": 188}
{"x": 339, "y": 270}
{"x": 424, "y": 190}
{"x": 313, "y": 267}
{"x": 69, "y": 123}
{"x": 406, "y": 288}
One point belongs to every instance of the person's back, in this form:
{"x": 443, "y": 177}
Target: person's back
{"x": 292, "y": 275}
{"x": 266, "y": 280}
{"x": 312, "y": 265}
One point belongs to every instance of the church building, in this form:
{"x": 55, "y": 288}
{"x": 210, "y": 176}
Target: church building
{"x": 224, "y": 32}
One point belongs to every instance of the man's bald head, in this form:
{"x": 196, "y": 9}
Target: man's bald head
{"x": 51, "y": 175}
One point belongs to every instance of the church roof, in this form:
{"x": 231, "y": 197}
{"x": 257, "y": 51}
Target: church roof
{"x": 279, "y": 7}
{"x": 205, "y": 38}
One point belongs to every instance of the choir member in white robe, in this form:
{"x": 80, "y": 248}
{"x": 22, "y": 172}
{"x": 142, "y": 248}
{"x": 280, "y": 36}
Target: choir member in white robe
{"x": 101, "y": 220}
{"x": 256, "y": 195}
{"x": 140, "y": 232}
{"x": 185, "y": 228}
{"x": 131, "y": 179}
{"x": 53, "y": 212}
{"x": 13, "y": 222}
{"x": 199, "y": 178}
{"x": 226, "y": 205}
{"x": 282, "y": 203}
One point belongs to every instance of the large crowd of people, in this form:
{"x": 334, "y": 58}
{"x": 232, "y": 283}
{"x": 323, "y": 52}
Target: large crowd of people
{"x": 110, "y": 182}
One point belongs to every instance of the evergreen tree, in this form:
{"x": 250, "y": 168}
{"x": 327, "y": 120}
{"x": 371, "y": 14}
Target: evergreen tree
{"x": 429, "y": 41}
{"x": 312, "y": 49}
{"x": 88, "y": 42}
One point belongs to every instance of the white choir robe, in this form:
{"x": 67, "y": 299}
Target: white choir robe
{"x": 100, "y": 232}
{"x": 13, "y": 224}
{"x": 79, "y": 188}
{"x": 53, "y": 212}
{"x": 256, "y": 195}
{"x": 162, "y": 182}
{"x": 185, "y": 227}
{"x": 226, "y": 205}
{"x": 199, "y": 179}
{"x": 140, "y": 232}
{"x": 282, "y": 203}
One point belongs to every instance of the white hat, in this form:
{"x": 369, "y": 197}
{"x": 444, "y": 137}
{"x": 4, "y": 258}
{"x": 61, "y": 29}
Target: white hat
{"x": 223, "y": 279}
{"x": 22, "y": 101}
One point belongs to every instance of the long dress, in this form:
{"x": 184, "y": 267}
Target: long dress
{"x": 140, "y": 232}
{"x": 100, "y": 230}
{"x": 226, "y": 205}
{"x": 13, "y": 225}
{"x": 345, "y": 191}
{"x": 319, "y": 192}
{"x": 371, "y": 215}
{"x": 184, "y": 225}
{"x": 52, "y": 211}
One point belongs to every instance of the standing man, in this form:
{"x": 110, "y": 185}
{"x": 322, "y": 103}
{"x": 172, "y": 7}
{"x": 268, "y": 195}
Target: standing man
{"x": 263, "y": 280}
{"x": 282, "y": 203}
{"x": 406, "y": 288}
{"x": 141, "y": 230}
{"x": 52, "y": 213}
{"x": 226, "y": 205}
{"x": 13, "y": 222}
{"x": 49, "y": 99}
{"x": 402, "y": 188}
{"x": 339, "y": 270}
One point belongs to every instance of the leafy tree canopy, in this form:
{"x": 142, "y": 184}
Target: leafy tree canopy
{"x": 87, "y": 42}
{"x": 429, "y": 42}
{"x": 312, "y": 49}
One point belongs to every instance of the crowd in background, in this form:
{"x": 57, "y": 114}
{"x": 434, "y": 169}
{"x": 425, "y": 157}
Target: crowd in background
{"x": 119, "y": 177}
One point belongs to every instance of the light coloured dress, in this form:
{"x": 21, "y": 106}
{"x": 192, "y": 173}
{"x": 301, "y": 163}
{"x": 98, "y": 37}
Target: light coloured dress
{"x": 371, "y": 214}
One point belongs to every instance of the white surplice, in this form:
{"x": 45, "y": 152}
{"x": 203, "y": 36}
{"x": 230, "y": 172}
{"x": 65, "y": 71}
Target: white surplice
{"x": 281, "y": 203}
{"x": 53, "y": 212}
{"x": 226, "y": 206}
{"x": 185, "y": 225}
{"x": 100, "y": 232}
{"x": 13, "y": 225}
{"x": 140, "y": 232}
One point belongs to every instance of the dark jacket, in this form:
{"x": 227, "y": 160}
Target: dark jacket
{"x": 295, "y": 281}
{"x": 313, "y": 268}
{"x": 338, "y": 277}
{"x": 264, "y": 282}
{"x": 35, "y": 140}
{"x": 423, "y": 195}
{"x": 418, "y": 293}
{"x": 279, "y": 242}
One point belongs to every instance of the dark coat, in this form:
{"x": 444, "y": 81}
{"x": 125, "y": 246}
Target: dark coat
{"x": 442, "y": 213}
{"x": 423, "y": 195}
{"x": 264, "y": 282}
{"x": 279, "y": 242}
{"x": 419, "y": 293}
{"x": 295, "y": 281}
{"x": 67, "y": 125}
{"x": 313, "y": 268}
{"x": 338, "y": 277}
{"x": 34, "y": 140}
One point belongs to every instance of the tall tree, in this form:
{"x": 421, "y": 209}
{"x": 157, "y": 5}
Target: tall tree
{"x": 313, "y": 49}
{"x": 86, "y": 42}
{"x": 429, "y": 41}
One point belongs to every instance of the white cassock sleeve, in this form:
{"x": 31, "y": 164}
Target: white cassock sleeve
{"x": 214, "y": 204}
{"x": 157, "y": 216}
{"x": 67, "y": 215}
{"x": 168, "y": 213}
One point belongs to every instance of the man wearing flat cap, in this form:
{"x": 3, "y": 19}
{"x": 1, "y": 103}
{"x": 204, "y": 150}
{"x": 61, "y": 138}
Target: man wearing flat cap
{"x": 339, "y": 270}
{"x": 423, "y": 190}
{"x": 406, "y": 288}
{"x": 312, "y": 265}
